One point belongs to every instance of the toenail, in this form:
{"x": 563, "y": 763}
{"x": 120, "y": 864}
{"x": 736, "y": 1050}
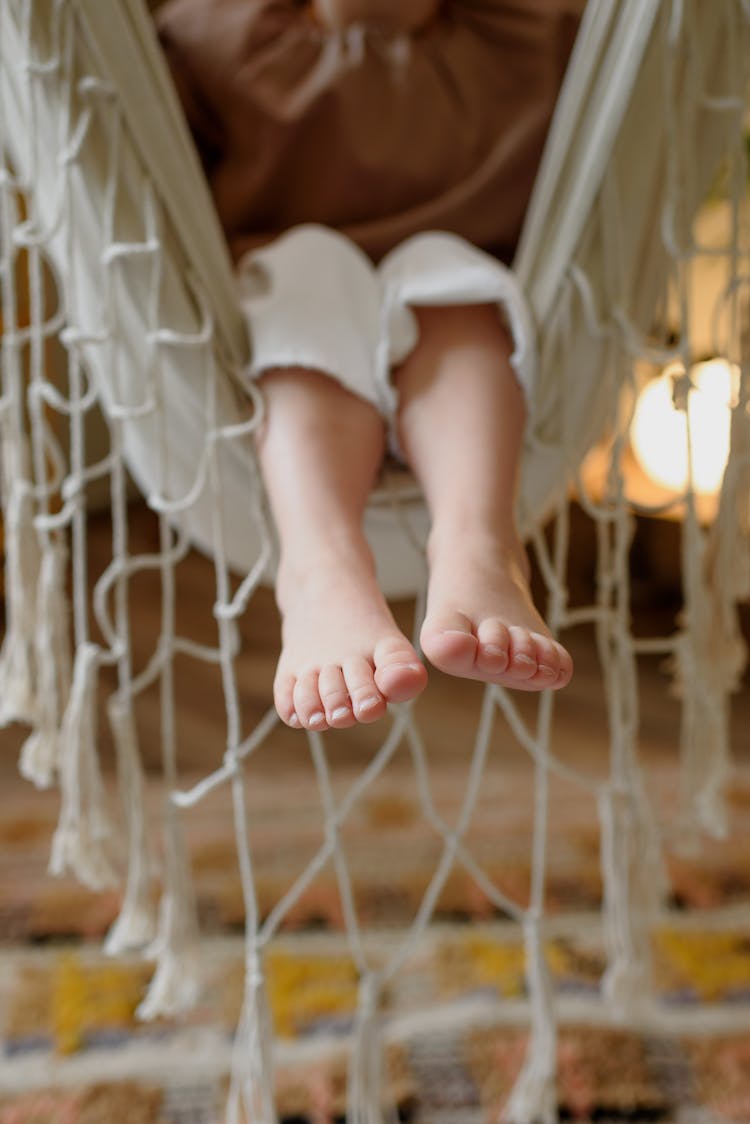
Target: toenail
{"x": 406, "y": 666}
{"x": 547, "y": 670}
{"x": 368, "y": 703}
{"x": 527, "y": 661}
{"x": 495, "y": 650}
{"x": 294, "y": 721}
{"x": 341, "y": 712}
{"x": 317, "y": 718}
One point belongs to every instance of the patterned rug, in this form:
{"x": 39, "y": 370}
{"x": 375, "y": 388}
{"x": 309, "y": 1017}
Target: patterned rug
{"x": 71, "y": 1037}
{"x": 454, "y": 1022}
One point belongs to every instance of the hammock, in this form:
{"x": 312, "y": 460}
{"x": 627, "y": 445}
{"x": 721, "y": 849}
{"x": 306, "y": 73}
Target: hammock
{"x": 109, "y": 242}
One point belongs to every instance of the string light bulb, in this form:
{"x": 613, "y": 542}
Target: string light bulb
{"x": 659, "y": 430}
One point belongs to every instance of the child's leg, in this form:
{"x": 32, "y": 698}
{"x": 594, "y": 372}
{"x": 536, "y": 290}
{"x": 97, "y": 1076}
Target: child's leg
{"x": 343, "y": 655}
{"x": 461, "y": 421}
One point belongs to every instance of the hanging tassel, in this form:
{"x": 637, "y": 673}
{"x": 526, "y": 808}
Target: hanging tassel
{"x": 83, "y": 840}
{"x": 40, "y": 752}
{"x": 17, "y": 673}
{"x": 251, "y": 1092}
{"x": 136, "y": 924}
{"x": 634, "y": 884}
{"x": 704, "y": 747}
{"x": 711, "y": 654}
{"x": 709, "y": 660}
{"x": 175, "y": 986}
{"x": 366, "y": 1065}
{"x": 534, "y": 1096}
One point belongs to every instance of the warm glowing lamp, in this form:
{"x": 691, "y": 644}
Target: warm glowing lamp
{"x": 659, "y": 431}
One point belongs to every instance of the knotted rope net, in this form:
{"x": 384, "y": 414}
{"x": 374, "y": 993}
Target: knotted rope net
{"x": 114, "y": 299}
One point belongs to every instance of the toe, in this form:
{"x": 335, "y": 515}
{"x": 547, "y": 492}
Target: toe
{"x": 283, "y": 697}
{"x": 398, "y": 675}
{"x": 307, "y": 702}
{"x": 522, "y": 664}
{"x": 335, "y": 697}
{"x": 566, "y": 665}
{"x": 547, "y": 659}
{"x": 449, "y": 642}
{"x": 367, "y": 702}
{"x": 493, "y": 652}
{"x": 555, "y": 667}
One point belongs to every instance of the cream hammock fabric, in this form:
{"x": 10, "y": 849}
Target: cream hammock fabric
{"x": 100, "y": 190}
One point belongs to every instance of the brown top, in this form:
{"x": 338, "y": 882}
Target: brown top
{"x": 375, "y": 133}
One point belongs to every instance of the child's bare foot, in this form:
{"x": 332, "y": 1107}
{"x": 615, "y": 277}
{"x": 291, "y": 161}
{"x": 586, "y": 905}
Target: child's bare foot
{"x": 481, "y": 622}
{"x": 343, "y": 657}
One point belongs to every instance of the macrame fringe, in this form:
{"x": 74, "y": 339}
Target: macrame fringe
{"x": 251, "y": 1099}
{"x": 714, "y": 662}
{"x": 41, "y": 750}
{"x": 633, "y": 877}
{"x": 83, "y": 841}
{"x": 17, "y": 670}
{"x": 534, "y": 1096}
{"x": 366, "y": 1065}
{"x": 704, "y": 749}
{"x": 710, "y": 657}
{"x": 175, "y": 986}
{"x": 136, "y": 925}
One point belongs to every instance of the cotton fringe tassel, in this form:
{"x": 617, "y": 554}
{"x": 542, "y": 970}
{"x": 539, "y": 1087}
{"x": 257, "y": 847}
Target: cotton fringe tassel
{"x": 17, "y": 671}
{"x": 84, "y": 839}
{"x": 704, "y": 748}
{"x": 534, "y": 1096}
{"x": 41, "y": 750}
{"x": 136, "y": 924}
{"x": 710, "y": 659}
{"x": 633, "y": 887}
{"x": 251, "y": 1099}
{"x": 175, "y": 986}
{"x": 365, "y": 1090}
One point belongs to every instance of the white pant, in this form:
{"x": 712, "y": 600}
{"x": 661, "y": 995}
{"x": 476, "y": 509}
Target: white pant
{"x": 314, "y": 299}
